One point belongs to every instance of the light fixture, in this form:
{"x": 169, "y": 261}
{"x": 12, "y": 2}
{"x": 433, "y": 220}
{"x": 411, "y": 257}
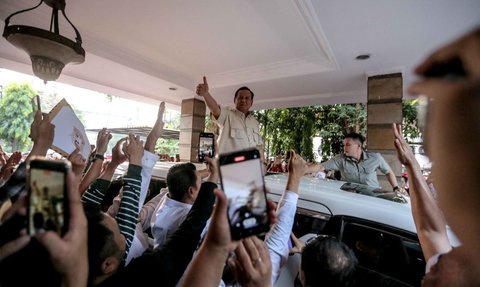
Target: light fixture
{"x": 362, "y": 57}
{"x": 48, "y": 50}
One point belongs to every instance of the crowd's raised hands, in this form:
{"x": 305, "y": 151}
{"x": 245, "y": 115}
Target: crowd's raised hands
{"x": 133, "y": 149}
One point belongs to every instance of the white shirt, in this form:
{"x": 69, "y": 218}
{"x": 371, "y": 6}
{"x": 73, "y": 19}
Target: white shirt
{"x": 278, "y": 237}
{"x": 237, "y": 131}
{"x": 168, "y": 215}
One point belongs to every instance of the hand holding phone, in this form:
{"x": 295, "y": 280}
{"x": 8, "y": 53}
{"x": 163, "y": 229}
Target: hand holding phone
{"x": 47, "y": 201}
{"x": 206, "y": 146}
{"x": 36, "y": 103}
{"x": 242, "y": 181}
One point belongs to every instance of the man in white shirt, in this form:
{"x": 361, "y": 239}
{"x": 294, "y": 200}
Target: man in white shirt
{"x": 238, "y": 127}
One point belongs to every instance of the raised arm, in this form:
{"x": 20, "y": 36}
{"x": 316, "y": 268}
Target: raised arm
{"x": 156, "y": 131}
{"x": 128, "y": 210}
{"x": 96, "y": 192}
{"x": 455, "y": 139}
{"x": 202, "y": 91}
{"x": 149, "y": 157}
{"x": 78, "y": 165}
{"x": 429, "y": 220}
{"x": 277, "y": 238}
{"x": 103, "y": 138}
{"x": 42, "y": 132}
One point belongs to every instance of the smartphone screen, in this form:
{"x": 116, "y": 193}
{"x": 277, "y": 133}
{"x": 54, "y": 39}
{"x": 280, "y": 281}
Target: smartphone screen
{"x": 242, "y": 181}
{"x": 206, "y": 146}
{"x": 48, "y": 206}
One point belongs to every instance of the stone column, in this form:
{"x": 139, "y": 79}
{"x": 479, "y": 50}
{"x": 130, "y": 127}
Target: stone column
{"x": 192, "y": 122}
{"x": 384, "y": 107}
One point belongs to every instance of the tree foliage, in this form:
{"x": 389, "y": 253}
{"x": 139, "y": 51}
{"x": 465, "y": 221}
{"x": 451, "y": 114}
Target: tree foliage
{"x": 167, "y": 146}
{"x": 335, "y": 121}
{"x": 410, "y": 126}
{"x": 16, "y": 116}
{"x": 285, "y": 129}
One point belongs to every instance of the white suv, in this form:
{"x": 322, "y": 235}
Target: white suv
{"x": 359, "y": 216}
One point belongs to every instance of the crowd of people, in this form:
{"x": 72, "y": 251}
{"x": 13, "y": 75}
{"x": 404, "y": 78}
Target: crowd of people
{"x": 181, "y": 237}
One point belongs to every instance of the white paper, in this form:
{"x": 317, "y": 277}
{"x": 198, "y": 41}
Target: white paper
{"x": 69, "y": 132}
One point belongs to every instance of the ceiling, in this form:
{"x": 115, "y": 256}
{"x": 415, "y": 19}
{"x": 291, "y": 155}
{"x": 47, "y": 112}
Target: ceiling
{"x": 289, "y": 52}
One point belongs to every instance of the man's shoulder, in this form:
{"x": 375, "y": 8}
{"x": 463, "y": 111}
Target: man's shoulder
{"x": 371, "y": 154}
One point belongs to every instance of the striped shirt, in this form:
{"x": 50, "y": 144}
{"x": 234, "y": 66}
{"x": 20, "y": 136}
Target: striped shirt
{"x": 127, "y": 215}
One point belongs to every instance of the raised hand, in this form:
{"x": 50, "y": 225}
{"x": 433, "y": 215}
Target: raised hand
{"x": 404, "y": 152}
{"x": 103, "y": 138}
{"x": 212, "y": 165}
{"x": 118, "y": 157}
{"x": 14, "y": 159}
{"x": 9, "y": 166}
{"x": 202, "y": 88}
{"x": 78, "y": 162}
{"x": 133, "y": 149}
{"x": 156, "y": 131}
{"x": 42, "y": 130}
{"x": 252, "y": 267}
{"x": 297, "y": 167}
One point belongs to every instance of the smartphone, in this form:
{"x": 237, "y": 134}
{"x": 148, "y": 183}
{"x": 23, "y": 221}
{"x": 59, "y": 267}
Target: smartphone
{"x": 241, "y": 176}
{"x": 36, "y": 103}
{"x": 206, "y": 146}
{"x": 47, "y": 201}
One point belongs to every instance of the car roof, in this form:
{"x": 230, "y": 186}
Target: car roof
{"x": 327, "y": 197}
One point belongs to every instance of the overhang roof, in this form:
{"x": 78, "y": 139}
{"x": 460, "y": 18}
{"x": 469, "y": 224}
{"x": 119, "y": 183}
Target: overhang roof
{"x": 289, "y": 52}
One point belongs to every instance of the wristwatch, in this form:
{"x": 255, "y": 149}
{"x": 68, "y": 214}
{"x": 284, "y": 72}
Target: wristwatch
{"x": 98, "y": 156}
{"x": 396, "y": 188}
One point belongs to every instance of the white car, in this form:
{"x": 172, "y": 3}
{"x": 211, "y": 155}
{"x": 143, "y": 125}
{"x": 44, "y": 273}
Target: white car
{"x": 376, "y": 224}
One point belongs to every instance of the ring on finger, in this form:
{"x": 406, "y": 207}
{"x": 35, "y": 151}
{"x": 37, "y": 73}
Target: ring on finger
{"x": 258, "y": 260}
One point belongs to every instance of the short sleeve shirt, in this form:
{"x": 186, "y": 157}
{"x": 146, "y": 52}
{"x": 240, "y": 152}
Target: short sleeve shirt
{"x": 237, "y": 131}
{"x": 363, "y": 171}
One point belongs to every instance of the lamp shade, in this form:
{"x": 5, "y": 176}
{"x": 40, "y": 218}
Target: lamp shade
{"x": 48, "y": 50}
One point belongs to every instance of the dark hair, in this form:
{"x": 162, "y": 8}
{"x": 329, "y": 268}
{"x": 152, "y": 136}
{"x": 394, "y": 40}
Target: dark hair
{"x": 355, "y": 136}
{"x": 328, "y": 262}
{"x": 243, "y": 89}
{"x": 101, "y": 242}
{"x": 179, "y": 178}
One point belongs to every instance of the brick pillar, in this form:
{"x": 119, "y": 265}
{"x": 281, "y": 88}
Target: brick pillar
{"x": 384, "y": 107}
{"x": 192, "y": 122}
